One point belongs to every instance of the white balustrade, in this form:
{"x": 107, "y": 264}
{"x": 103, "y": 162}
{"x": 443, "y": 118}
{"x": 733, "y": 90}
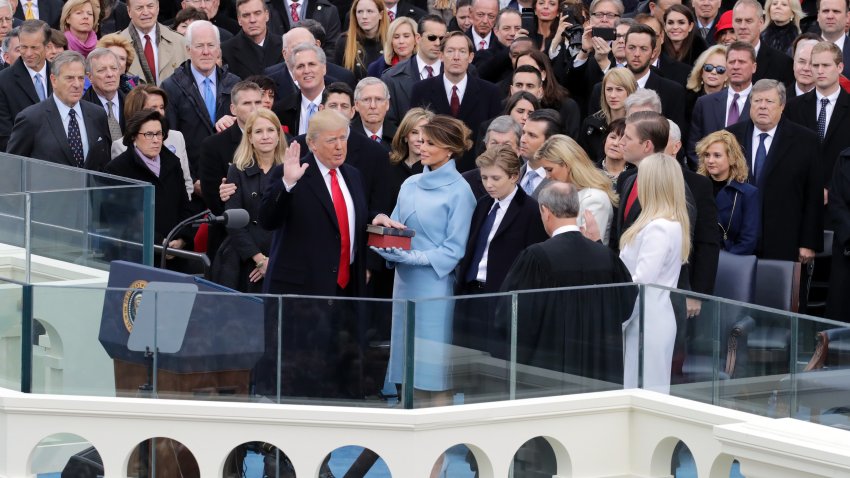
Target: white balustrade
{"x": 615, "y": 434}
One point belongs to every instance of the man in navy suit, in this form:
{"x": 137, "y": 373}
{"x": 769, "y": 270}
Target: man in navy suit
{"x": 458, "y": 94}
{"x": 790, "y": 183}
{"x": 318, "y": 211}
{"x": 832, "y": 20}
{"x": 62, "y": 129}
{"x": 726, "y": 107}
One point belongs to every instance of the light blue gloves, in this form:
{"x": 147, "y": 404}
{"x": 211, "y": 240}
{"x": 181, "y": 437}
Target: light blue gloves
{"x": 401, "y": 256}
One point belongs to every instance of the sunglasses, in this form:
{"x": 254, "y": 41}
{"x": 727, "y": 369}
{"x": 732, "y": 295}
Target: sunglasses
{"x": 708, "y": 68}
{"x": 434, "y": 38}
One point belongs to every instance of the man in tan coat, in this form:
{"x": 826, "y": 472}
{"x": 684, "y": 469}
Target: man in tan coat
{"x": 153, "y": 42}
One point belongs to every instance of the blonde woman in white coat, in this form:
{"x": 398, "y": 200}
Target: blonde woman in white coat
{"x": 565, "y": 161}
{"x": 653, "y": 249}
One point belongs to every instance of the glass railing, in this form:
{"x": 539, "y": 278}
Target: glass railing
{"x": 51, "y": 213}
{"x": 191, "y": 340}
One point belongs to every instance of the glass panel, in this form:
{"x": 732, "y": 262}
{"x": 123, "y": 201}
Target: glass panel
{"x": 12, "y": 234}
{"x": 11, "y": 335}
{"x": 461, "y": 350}
{"x": 77, "y": 216}
{"x": 67, "y": 356}
{"x": 571, "y": 340}
{"x": 66, "y": 454}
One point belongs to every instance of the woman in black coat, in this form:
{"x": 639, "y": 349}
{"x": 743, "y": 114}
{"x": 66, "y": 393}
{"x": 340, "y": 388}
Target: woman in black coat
{"x": 242, "y": 259}
{"x": 146, "y": 160}
{"x": 517, "y": 225}
{"x": 363, "y": 43}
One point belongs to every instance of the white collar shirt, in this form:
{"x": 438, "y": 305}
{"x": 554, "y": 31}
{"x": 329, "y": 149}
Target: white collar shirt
{"x": 504, "y": 204}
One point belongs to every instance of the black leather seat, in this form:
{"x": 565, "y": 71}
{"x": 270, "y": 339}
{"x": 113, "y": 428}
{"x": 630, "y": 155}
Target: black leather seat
{"x": 777, "y": 287}
{"x": 736, "y": 280}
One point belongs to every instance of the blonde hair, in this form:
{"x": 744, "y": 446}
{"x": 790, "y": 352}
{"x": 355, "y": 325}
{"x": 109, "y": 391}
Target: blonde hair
{"x": 401, "y": 150}
{"x": 661, "y": 192}
{"x": 243, "y": 158}
{"x": 72, "y": 6}
{"x": 619, "y": 77}
{"x": 738, "y": 170}
{"x": 115, "y": 39}
{"x": 325, "y": 120}
{"x": 389, "y": 53}
{"x": 561, "y": 149}
{"x": 695, "y": 83}
{"x": 355, "y": 33}
{"x": 796, "y": 13}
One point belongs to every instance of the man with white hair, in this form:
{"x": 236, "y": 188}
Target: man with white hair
{"x": 643, "y": 100}
{"x": 674, "y": 141}
{"x": 103, "y": 71}
{"x": 159, "y": 50}
{"x": 372, "y": 101}
{"x": 198, "y": 91}
{"x": 6, "y": 25}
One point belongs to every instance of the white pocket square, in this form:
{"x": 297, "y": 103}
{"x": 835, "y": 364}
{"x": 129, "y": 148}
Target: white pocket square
{"x": 99, "y": 139}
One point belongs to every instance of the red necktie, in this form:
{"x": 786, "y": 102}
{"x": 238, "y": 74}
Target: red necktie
{"x": 430, "y": 71}
{"x": 344, "y": 238}
{"x": 455, "y": 104}
{"x": 482, "y": 45}
{"x": 149, "y": 57}
{"x": 294, "y": 11}
{"x": 631, "y": 200}
{"x": 391, "y": 14}
{"x": 376, "y": 138}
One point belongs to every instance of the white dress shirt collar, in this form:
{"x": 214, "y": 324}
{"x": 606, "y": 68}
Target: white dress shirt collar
{"x": 476, "y": 40}
{"x": 641, "y": 82}
{"x": 567, "y": 228}
{"x": 461, "y": 87}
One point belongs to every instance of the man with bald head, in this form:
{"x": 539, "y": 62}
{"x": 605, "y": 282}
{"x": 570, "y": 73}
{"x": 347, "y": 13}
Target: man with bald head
{"x": 484, "y": 41}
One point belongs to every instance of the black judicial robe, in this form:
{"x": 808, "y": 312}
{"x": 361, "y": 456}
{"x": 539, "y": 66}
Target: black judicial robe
{"x": 577, "y": 332}
{"x": 838, "y": 303}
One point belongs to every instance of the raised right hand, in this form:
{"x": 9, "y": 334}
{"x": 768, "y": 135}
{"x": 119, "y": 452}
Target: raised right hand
{"x": 293, "y": 170}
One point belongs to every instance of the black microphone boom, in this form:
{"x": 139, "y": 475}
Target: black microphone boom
{"x": 232, "y": 219}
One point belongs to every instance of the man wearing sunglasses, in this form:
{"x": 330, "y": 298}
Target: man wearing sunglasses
{"x": 728, "y": 106}
{"x": 426, "y": 63}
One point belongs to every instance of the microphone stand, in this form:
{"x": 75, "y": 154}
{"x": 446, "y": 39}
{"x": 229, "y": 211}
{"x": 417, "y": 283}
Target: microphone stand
{"x": 174, "y": 232}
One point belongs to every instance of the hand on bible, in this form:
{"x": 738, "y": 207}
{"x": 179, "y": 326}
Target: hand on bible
{"x": 384, "y": 220}
{"x": 395, "y": 254}
{"x": 293, "y": 170}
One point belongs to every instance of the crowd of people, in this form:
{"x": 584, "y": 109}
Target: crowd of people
{"x": 571, "y": 144}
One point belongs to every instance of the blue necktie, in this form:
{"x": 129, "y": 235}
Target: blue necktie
{"x": 761, "y": 154}
{"x": 209, "y": 99}
{"x": 310, "y": 112}
{"x": 39, "y": 86}
{"x": 529, "y": 185}
{"x": 481, "y": 244}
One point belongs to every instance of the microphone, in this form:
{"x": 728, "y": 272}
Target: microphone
{"x": 231, "y": 219}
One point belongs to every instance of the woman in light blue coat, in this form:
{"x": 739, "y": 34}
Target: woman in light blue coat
{"x": 438, "y": 205}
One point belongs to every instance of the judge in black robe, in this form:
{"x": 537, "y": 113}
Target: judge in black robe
{"x": 572, "y": 331}
{"x": 838, "y": 303}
